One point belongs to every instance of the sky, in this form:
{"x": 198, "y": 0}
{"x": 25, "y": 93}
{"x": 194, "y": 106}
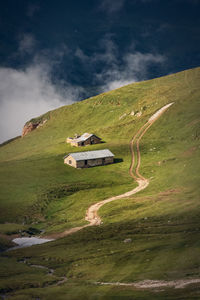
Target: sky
{"x": 53, "y": 53}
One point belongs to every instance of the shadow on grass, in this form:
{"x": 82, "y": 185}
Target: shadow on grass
{"x": 118, "y": 160}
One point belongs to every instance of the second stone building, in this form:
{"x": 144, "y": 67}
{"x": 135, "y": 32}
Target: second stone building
{"x": 88, "y": 159}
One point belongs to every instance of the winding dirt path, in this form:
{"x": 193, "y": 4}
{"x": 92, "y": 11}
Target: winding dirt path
{"x": 94, "y": 219}
{"x": 92, "y": 213}
{"x": 154, "y": 284}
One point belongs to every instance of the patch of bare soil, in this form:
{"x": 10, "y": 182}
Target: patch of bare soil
{"x": 189, "y": 151}
{"x": 169, "y": 192}
{"x": 193, "y": 122}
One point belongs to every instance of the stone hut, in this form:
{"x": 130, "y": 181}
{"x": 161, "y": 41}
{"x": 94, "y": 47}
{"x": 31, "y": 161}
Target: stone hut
{"x": 89, "y": 158}
{"x": 84, "y": 140}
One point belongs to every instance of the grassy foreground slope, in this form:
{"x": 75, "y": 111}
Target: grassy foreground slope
{"x": 40, "y": 192}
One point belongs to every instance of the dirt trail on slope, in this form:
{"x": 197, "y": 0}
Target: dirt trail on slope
{"x": 151, "y": 284}
{"x": 92, "y": 213}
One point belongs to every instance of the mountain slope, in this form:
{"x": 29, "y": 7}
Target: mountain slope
{"x": 41, "y": 192}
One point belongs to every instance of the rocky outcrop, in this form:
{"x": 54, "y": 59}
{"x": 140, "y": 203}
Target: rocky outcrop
{"x": 138, "y": 114}
{"x": 28, "y": 127}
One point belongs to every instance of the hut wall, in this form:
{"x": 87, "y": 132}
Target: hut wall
{"x": 90, "y": 163}
{"x": 87, "y": 142}
{"x": 70, "y": 161}
{"x": 69, "y": 140}
{"x": 96, "y": 140}
{"x": 94, "y": 162}
{"x": 80, "y": 164}
{"x": 92, "y": 140}
{"x": 75, "y": 144}
{"x": 109, "y": 160}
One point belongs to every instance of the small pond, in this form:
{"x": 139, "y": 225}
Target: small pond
{"x": 29, "y": 241}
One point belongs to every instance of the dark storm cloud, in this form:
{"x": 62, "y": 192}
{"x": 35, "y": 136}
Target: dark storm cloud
{"x": 111, "y": 6}
{"x": 32, "y": 9}
{"x": 30, "y": 91}
{"x": 119, "y": 71}
{"x": 27, "y": 43}
{"x": 190, "y": 1}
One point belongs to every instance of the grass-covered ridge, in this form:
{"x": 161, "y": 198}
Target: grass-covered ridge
{"x": 39, "y": 191}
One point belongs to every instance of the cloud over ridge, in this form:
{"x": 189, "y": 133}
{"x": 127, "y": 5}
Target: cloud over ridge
{"x": 28, "y": 93}
{"x": 119, "y": 70}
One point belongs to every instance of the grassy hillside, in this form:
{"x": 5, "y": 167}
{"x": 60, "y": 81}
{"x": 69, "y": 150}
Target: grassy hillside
{"x": 39, "y": 192}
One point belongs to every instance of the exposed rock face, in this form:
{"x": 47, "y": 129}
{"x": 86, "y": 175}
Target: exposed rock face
{"x": 31, "y": 126}
{"x": 28, "y": 128}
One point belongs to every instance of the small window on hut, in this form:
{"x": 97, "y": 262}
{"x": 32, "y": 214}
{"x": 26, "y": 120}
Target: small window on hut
{"x": 70, "y": 162}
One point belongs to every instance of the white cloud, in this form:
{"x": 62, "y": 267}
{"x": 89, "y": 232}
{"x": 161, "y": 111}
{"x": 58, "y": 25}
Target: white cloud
{"x": 119, "y": 71}
{"x": 28, "y": 93}
{"x": 115, "y": 84}
{"x": 134, "y": 67}
{"x": 107, "y": 55}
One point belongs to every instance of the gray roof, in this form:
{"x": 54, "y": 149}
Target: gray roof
{"x": 83, "y": 137}
{"x": 91, "y": 154}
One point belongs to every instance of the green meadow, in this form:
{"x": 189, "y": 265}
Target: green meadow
{"x": 39, "y": 194}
